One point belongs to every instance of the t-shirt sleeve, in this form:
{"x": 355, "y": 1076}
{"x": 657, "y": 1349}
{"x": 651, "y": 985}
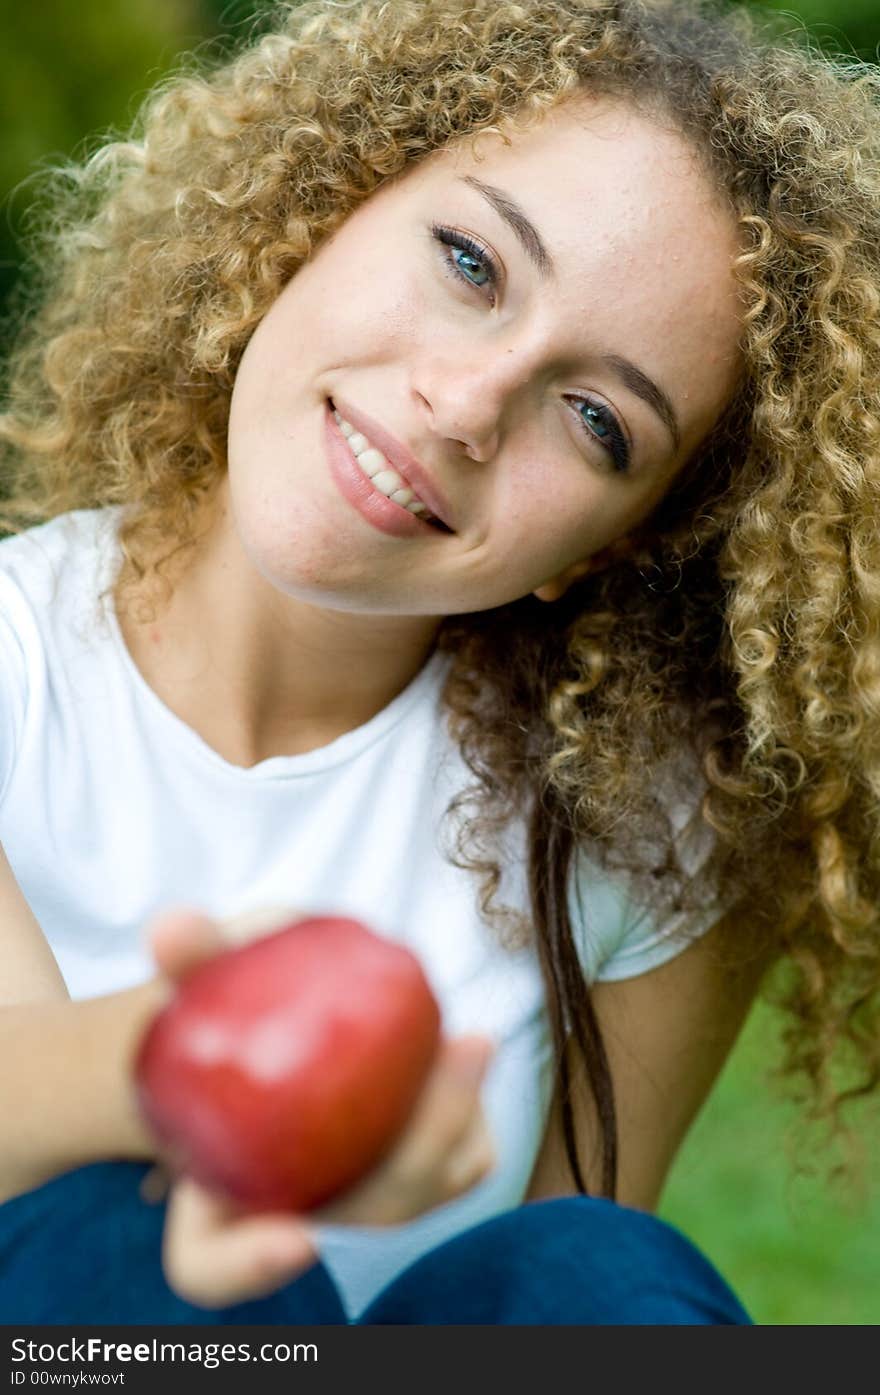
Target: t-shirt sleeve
{"x": 15, "y": 620}
{"x": 618, "y": 937}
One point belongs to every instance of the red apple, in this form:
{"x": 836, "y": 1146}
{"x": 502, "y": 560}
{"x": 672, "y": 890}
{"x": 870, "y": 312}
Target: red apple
{"x": 282, "y": 1070}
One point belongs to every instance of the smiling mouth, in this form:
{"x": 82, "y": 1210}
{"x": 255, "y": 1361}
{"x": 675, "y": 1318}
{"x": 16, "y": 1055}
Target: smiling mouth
{"x": 382, "y": 475}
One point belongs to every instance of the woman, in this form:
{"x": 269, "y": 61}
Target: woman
{"x": 468, "y": 413}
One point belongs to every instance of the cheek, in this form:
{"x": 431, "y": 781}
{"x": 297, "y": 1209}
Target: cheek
{"x": 551, "y": 507}
{"x": 291, "y": 543}
{"x": 358, "y": 306}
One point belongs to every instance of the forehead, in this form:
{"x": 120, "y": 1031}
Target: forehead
{"x": 601, "y": 174}
{"x": 642, "y": 243}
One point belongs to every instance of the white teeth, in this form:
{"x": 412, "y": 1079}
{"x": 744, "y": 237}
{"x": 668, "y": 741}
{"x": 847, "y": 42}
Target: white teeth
{"x": 371, "y": 461}
{"x": 387, "y": 481}
{"x": 345, "y": 426}
{"x": 379, "y": 472}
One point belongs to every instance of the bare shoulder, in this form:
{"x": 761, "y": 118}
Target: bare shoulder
{"x": 30, "y": 972}
{"x": 667, "y": 1033}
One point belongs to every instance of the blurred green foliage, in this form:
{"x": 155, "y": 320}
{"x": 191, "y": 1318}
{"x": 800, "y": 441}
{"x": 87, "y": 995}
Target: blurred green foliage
{"x": 850, "y": 26}
{"x": 68, "y": 74}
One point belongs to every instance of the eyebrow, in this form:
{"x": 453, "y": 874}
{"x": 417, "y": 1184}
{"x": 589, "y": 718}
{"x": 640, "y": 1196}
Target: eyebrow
{"x": 530, "y": 240}
{"x": 645, "y": 388}
{"x": 517, "y": 220}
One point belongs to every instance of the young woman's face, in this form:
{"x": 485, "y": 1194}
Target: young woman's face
{"x": 527, "y": 340}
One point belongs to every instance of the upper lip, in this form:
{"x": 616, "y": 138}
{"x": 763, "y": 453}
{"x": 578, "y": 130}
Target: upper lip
{"x": 400, "y": 459}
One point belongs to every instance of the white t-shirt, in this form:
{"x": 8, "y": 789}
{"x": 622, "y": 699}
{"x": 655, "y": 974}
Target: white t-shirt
{"x": 112, "y": 808}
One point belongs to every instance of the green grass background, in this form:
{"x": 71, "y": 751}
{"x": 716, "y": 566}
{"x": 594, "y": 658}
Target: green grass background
{"x": 754, "y": 1188}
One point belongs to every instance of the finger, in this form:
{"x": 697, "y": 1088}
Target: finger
{"x": 411, "y": 1178}
{"x": 449, "y": 1101}
{"x": 470, "y": 1163}
{"x": 238, "y": 929}
{"x": 181, "y": 939}
{"x": 213, "y": 1255}
{"x": 153, "y": 1186}
{"x": 392, "y": 1193}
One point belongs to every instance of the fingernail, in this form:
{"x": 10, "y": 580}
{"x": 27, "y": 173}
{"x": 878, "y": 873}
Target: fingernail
{"x": 288, "y": 1254}
{"x": 471, "y": 1065}
{"x": 154, "y": 1185}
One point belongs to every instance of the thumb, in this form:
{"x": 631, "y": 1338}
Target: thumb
{"x": 181, "y": 939}
{"x": 468, "y": 1057}
{"x": 214, "y": 1255}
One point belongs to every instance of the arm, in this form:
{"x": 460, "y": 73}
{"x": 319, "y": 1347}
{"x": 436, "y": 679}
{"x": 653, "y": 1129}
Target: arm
{"x": 65, "y": 1081}
{"x": 66, "y": 1078}
{"x": 667, "y": 1033}
{"x": 64, "y": 1066}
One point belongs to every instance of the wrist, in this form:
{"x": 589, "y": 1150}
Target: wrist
{"x": 144, "y": 1002}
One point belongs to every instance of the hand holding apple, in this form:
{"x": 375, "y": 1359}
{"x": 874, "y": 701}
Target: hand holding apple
{"x": 217, "y": 1251}
{"x": 282, "y": 1070}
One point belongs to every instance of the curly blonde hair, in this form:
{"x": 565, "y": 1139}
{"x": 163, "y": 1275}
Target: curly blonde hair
{"x": 746, "y": 637}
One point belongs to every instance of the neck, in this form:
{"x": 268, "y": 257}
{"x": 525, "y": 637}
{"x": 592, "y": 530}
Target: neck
{"x": 257, "y": 673}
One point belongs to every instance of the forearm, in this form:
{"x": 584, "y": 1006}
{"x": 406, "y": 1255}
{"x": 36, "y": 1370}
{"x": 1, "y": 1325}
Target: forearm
{"x": 66, "y": 1091}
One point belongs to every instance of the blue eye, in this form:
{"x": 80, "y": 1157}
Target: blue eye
{"x": 467, "y": 258}
{"x": 470, "y": 266}
{"x": 600, "y": 422}
{"x": 594, "y": 418}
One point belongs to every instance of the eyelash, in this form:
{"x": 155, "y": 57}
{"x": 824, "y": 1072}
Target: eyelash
{"x": 617, "y": 446}
{"x": 463, "y": 242}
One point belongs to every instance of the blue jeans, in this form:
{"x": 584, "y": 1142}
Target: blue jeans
{"x": 85, "y": 1248}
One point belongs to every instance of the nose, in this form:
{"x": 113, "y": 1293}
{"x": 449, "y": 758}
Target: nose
{"x": 467, "y": 397}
